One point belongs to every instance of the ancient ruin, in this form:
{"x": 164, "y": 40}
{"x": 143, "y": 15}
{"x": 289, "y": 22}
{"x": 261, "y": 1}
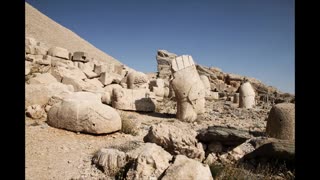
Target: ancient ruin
{"x": 88, "y": 116}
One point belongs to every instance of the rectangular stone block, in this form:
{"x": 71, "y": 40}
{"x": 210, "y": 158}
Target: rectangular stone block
{"x": 132, "y": 99}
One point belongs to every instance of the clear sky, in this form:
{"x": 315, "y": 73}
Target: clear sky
{"x": 254, "y": 38}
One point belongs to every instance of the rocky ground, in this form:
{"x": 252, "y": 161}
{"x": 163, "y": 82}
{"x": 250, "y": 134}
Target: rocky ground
{"x": 53, "y": 153}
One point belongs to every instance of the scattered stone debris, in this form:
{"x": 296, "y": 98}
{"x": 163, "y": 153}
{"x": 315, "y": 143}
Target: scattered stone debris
{"x": 172, "y": 124}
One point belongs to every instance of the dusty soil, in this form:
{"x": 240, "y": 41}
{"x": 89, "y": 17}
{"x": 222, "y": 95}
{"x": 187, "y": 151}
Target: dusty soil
{"x": 60, "y": 154}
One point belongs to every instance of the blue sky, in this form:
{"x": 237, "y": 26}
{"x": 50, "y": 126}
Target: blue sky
{"x": 254, "y": 38}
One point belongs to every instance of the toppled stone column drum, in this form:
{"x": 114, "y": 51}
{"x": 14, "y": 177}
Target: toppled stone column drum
{"x": 246, "y": 96}
{"x": 188, "y": 88}
{"x": 281, "y": 121}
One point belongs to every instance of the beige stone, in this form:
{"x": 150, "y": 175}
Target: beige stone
{"x": 132, "y": 99}
{"x": 137, "y": 80}
{"x": 176, "y": 140}
{"x": 59, "y": 52}
{"x": 80, "y": 56}
{"x": 45, "y": 78}
{"x": 187, "y": 169}
{"x": 281, "y": 121}
{"x": 151, "y": 162}
{"x": 84, "y": 112}
{"x": 41, "y": 93}
{"x": 107, "y": 78}
{"x": 246, "y": 96}
{"x": 110, "y": 160}
{"x": 35, "y": 111}
{"x": 188, "y": 89}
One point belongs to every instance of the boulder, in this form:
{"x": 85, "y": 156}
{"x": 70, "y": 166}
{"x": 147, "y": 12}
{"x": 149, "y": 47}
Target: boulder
{"x": 151, "y": 162}
{"x": 59, "y": 52}
{"x": 185, "y": 168}
{"x": 226, "y": 136}
{"x": 188, "y": 89}
{"x": 279, "y": 149}
{"x": 137, "y": 80}
{"x": 84, "y": 112}
{"x": 246, "y": 96}
{"x": 281, "y": 121}
{"x": 45, "y": 78}
{"x": 90, "y": 74}
{"x": 108, "y": 78}
{"x": 41, "y": 93}
{"x": 132, "y": 99}
{"x": 59, "y": 72}
{"x": 110, "y": 160}
{"x": 77, "y": 84}
{"x": 176, "y": 140}
{"x": 35, "y": 111}
{"x": 80, "y": 56}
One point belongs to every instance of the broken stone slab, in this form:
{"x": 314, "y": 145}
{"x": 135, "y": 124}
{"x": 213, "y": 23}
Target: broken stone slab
{"x": 84, "y": 112}
{"x": 59, "y": 72}
{"x": 100, "y": 68}
{"x": 41, "y": 93}
{"x": 132, "y": 99}
{"x": 45, "y": 60}
{"x": 281, "y": 121}
{"x": 110, "y": 160}
{"x": 151, "y": 162}
{"x": 164, "y": 59}
{"x": 90, "y": 74}
{"x": 59, "y": 52}
{"x": 108, "y": 78}
{"x": 59, "y": 62}
{"x": 246, "y": 96}
{"x": 80, "y": 56}
{"x": 77, "y": 84}
{"x": 277, "y": 149}
{"x": 93, "y": 85}
{"x": 45, "y": 78}
{"x": 188, "y": 88}
{"x": 238, "y": 152}
{"x": 185, "y": 168}
{"x": 226, "y": 136}
{"x": 35, "y": 111}
{"x": 176, "y": 140}
{"x": 137, "y": 80}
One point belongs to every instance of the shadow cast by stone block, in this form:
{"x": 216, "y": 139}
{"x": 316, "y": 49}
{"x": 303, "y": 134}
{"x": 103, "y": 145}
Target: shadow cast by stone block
{"x": 145, "y": 104}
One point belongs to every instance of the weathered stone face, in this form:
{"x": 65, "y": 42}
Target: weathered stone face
{"x": 281, "y": 121}
{"x": 185, "y": 168}
{"x": 176, "y": 140}
{"x": 137, "y": 80}
{"x": 151, "y": 162}
{"x": 188, "y": 88}
{"x": 246, "y": 95}
{"x": 84, "y": 112}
